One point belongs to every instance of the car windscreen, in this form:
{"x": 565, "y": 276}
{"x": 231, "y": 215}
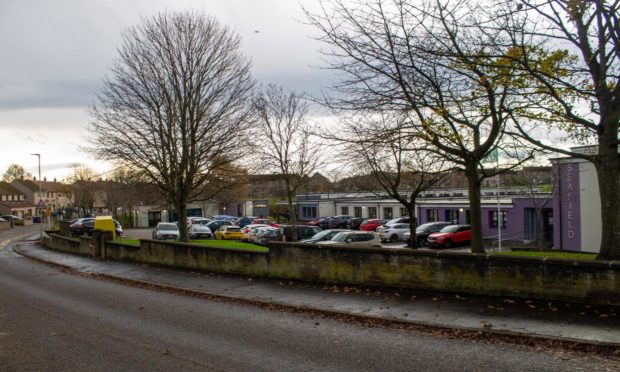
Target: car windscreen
{"x": 168, "y": 227}
{"x": 233, "y": 229}
{"x": 340, "y": 237}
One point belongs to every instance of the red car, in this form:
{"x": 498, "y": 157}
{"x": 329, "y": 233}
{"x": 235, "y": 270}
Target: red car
{"x": 371, "y": 225}
{"x": 450, "y": 236}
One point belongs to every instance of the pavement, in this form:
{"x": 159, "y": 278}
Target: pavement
{"x": 549, "y": 322}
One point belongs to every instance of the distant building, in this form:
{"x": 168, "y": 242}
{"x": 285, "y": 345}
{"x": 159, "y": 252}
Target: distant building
{"x": 14, "y": 202}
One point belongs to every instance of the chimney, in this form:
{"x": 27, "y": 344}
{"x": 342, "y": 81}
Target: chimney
{"x": 44, "y": 179}
{"x": 55, "y": 179}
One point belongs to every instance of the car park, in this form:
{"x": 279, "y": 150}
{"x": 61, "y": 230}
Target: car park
{"x": 244, "y": 221}
{"x": 267, "y": 235}
{"x": 354, "y": 239}
{"x": 371, "y": 224}
{"x": 354, "y": 223}
{"x": 322, "y": 236}
{"x": 392, "y": 222}
{"x": 199, "y": 231}
{"x": 81, "y": 226}
{"x": 450, "y": 236}
{"x": 264, "y": 221}
{"x": 393, "y": 233}
{"x": 225, "y": 217}
{"x": 423, "y": 231}
{"x": 303, "y": 232}
{"x": 217, "y": 224}
{"x": 229, "y": 232}
{"x": 254, "y": 235}
{"x": 87, "y": 225}
{"x": 166, "y": 230}
{"x": 338, "y": 222}
{"x": 247, "y": 231}
{"x": 198, "y": 220}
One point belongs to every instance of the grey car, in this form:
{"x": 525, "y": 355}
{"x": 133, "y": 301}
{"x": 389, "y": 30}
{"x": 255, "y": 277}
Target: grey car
{"x": 166, "y": 230}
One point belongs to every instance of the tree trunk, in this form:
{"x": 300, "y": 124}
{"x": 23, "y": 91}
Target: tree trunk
{"x": 539, "y": 228}
{"x": 181, "y": 208}
{"x": 413, "y": 241}
{"x": 475, "y": 209}
{"x": 608, "y": 171}
{"x": 293, "y": 215}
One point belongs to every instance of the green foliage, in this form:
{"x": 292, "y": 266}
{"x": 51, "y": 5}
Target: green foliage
{"x": 565, "y": 255}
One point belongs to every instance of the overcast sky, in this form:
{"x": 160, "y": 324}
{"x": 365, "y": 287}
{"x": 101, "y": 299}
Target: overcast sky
{"x": 54, "y": 55}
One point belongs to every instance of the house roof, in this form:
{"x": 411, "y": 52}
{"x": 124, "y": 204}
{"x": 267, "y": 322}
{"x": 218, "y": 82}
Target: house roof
{"x": 47, "y": 186}
{"x": 7, "y": 189}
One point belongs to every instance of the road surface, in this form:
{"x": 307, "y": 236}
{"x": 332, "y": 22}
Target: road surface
{"x": 55, "y": 320}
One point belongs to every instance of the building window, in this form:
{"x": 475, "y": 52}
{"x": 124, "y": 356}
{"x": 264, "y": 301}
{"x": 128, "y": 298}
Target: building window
{"x": 357, "y": 211}
{"x": 344, "y": 210}
{"x": 388, "y": 213}
{"x": 372, "y": 212}
{"x": 404, "y": 212}
{"x": 432, "y": 215}
{"x": 3, "y": 197}
{"x": 308, "y": 212}
{"x": 493, "y": 219}
{"x": 452, "y": 215}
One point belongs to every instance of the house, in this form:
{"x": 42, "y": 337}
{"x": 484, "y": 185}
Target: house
{"x": 55, "y": 195}
{"x": 13, "y": 201}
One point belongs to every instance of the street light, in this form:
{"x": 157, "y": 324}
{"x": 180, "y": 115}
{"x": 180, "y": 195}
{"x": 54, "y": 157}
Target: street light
{"x": 40, "y": 197}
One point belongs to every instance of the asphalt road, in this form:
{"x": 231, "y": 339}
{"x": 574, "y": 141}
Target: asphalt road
{"x": 54, "y": 320}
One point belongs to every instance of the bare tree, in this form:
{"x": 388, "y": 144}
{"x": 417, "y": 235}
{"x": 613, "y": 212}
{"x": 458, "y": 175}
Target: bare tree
{"x": 285, "y": 142}
{"x": 569, "y": 52}
{"x": 434, "y": 61}
{"x": 396, "y": 161}
{"x": 84, "y": 186}
{"x": 175, "y": 107}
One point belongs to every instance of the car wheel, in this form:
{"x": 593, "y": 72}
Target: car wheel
{"x": 448, "y": 243}
{"x": 393, "y": 238}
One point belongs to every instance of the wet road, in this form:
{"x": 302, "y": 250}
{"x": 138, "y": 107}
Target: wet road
{"x": 54, "y": 320}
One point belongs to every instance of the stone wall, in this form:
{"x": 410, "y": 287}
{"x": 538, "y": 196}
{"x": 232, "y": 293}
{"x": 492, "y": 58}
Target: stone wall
{"x": 568, "y": 280}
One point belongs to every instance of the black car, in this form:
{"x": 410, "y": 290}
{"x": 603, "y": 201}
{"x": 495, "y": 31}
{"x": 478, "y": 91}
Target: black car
{"x": 355, "y": 222}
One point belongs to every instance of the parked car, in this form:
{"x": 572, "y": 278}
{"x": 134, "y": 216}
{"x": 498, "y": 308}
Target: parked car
{"x": 354, "y": 223}
{"x": 339, "y": 222}
{"x": 248, "y": 230}
{"x": 355, "y": 239}
{"x": 217, "y": 224}
{"x": 372, "y": 224}
{"x": 267, "y": 235}
{"x": 15, "y": 219}
{"x": 80, "y": 226}
{"x": 243, "y": 221}
{"x": 199, "y": 231}
{"x": 225, "y": 217}
{"x": 228, "y": 232}
{"x": 393, "y": 233}
{"x": 3, "y": 220}
{"x": 166, "y": 230}
{"x": 254, "y": 235}
{"x": 87, "y": 225}
{"x": 423, "y": 231}
{"x": 391, "y": 222}
{"x": 450, "y": 236}
{"x": 303, "y": 232}
{"x": 264, "y": 221}
{"x": 198, "y": 220}
{"x": 322, "y": 236}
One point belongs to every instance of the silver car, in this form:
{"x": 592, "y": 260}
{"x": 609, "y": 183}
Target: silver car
{"x": 166, "y": 230}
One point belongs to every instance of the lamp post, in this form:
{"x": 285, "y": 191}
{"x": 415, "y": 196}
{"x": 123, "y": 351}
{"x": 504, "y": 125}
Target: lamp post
{"x": 40, "y": 197}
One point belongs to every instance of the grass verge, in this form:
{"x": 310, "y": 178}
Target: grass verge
{"x": 567, "y": 255}
{"x": 225, "y": 244}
